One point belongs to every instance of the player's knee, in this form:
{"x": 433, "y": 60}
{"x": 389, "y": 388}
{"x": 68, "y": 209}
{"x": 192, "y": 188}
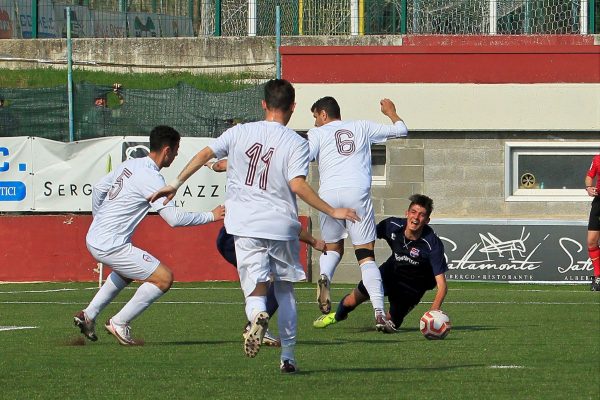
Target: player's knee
{"x": 362, "y": 253}
{"x": 162, "y": 278}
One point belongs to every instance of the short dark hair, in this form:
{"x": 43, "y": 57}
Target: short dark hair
{"x": 279, "y": 95}
{"x": 423, "y": 201}
{"x": 329, "y": 105}
{"x": 162, "y": 136}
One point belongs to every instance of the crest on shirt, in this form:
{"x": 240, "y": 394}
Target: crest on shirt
{"x": 414, "y": 252}
{"x": 147, "y": 257}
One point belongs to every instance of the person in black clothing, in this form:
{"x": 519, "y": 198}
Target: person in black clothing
{"x": 417, "y": 264}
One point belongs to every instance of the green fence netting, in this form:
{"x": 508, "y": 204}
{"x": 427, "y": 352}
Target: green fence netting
{"x": 107, "y": 111}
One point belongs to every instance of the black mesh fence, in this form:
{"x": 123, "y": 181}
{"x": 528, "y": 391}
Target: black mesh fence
{"x": 116, "y": 111}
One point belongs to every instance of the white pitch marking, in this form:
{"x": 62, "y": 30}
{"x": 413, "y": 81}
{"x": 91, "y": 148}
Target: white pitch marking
{"x": 506, "y": 366}
{"x": 15, "y": 328}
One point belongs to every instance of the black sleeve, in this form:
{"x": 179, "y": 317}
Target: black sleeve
{"x": 382, "y": 229}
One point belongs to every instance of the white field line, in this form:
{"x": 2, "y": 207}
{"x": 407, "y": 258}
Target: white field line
{"x": 506, "y": 366}
{"x": 540, "y": 303}
{"x": 337, "y": 287}
{"x": 15, "y": 328}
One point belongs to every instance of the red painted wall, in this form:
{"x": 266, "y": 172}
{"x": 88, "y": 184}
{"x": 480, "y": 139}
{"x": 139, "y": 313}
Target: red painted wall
{"x": 52, "y": 248}
{"x": 449, "y": 59}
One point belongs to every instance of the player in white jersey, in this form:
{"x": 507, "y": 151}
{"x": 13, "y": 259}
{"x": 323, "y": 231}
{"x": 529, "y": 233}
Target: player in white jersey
{"x": 267, "y": 168}
{"x": 119, "y": 203}
{"x": 343, "y": 152}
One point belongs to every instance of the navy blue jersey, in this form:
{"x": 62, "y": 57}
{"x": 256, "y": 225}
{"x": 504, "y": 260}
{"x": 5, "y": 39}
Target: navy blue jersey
{"x": 412, "y": 264}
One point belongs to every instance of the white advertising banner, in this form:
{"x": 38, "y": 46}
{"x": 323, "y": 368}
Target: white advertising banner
{"x": 42, "y": 175}
{"x": 16, "y": 177}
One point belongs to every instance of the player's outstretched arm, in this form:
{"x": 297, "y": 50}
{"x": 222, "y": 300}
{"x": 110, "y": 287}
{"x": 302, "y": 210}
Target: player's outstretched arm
{"x": 389, "y": 110}
{"x": 175, "y": 216}
{"x": 192, "y": 166}
{"x": 306, "y": 193}
{"x": 442, "y": 290}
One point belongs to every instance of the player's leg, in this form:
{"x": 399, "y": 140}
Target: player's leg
{"x": 287, "y": 322}
{"x": 254, "y": 270}
{"x": 593, "y": 237}
{"x": 157, "y": 279}
{"x": 348, "y": 303}
{"x": 400, "y": 305}
{"x": 226, "y": 247}
{"x": 333, "y": 232}
{"x": 328, "y": 263}
{"x": 286, "y": 269}
{"x": 363, "y": 235}
{"x": 85, "y": 319}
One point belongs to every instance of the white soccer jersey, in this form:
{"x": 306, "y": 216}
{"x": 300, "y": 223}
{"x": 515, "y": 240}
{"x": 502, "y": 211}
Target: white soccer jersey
{"x": 343, "y": 151}
{"x": 262, "y": 157}
{"x": 120, "y": 202}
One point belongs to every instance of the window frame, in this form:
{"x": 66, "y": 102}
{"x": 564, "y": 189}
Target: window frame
{"x": 379, "y": 180}
{"x": 512, "y": 151}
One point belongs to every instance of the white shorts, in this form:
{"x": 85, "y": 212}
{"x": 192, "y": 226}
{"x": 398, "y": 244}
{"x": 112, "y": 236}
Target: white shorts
{"x": 258, "y": 258}
{"x": 128, "y": 261}
{"x": 362, "y": 232}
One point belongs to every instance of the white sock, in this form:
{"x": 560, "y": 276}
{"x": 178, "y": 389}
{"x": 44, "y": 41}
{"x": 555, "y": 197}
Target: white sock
{"x": 109, "y": 290}
{"x": 371, "y": 278}
{"x": 287, "y": 319}
{"x": 146, "y": 294}
{"x": 254, "y": 305}
{"x": 328, "y": 263}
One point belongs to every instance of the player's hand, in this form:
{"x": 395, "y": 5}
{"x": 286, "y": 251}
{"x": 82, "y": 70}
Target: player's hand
{"x": 217, "y": 166}
{"x": 168, "y": 192}
{"x": 320, "y": 245}
{"x": 349, "y": 214}
{"x": 387, "y": 107}
{"x": 219, "y": 212}
{"x": 592, "y": 191}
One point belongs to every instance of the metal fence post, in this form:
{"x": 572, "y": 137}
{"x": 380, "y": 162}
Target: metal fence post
{"x": 34, "y": 19}
{"x": 278, "y": 41}
{"x": 217, "y": 17}
{"x": 403, "y": 16}
{"x": 70, "y": 75}
{"x": 592, "y": 17}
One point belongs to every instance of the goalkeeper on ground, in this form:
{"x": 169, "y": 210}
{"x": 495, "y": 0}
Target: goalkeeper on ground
{"x": 416, "y": 265}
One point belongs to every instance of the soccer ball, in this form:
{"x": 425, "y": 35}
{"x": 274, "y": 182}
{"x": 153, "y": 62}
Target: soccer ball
{"x": 435, "y": 325}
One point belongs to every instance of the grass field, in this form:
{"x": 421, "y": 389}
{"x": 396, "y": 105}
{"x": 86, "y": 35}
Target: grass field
{"x": 507, "y": 342}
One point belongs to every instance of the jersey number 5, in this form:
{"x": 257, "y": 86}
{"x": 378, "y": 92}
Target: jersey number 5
{"x": 118, "y": 185}
{"x": 255, "y": 155}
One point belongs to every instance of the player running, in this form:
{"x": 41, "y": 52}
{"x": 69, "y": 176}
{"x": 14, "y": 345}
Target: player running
{"x": 119, "y": 203}
{"x": 416, "y": 265}
{"x": 266, "y": 169}
{"x": 343, "y": 152}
